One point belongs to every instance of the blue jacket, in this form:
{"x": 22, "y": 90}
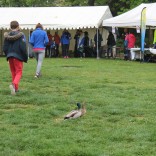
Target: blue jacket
{"x": 39, "y": 38}
{"x": 65, "y": 38}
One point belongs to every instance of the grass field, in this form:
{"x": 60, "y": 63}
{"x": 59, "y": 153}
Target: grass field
{"x": 120, "y": 99}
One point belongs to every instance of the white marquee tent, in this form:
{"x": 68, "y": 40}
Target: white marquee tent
{"x": 55, "y": 17}
{"x": 87, "y": 18}
{"x": 132, "y": 18}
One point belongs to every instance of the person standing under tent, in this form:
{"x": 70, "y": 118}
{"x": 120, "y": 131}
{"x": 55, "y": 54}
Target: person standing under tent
{"x": 99, "y": 40}
{"x": 52, "y": 48}
{"x": 126, "y": 44}
{"x": 39, "y": 40}
{"x": 87, "y": 51}
{"x": 47, "y": 50}
{"x": 131, "y": 39}
{"x": 16, "y": 53}
{"x": 110, "y": 43}
{"x": 76, "y": 38}
{"x": 80, "y": 45}
{"x": 57, "y": 43}
{"x": 65, "y": 42}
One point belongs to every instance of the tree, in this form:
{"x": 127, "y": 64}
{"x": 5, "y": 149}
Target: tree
{"x": 91, "y": 2}
{"x": 116, "y": 6}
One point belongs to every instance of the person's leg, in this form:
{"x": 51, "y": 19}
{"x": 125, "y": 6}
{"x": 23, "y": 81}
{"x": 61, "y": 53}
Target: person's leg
{"x": 129, "y": 54}
{"x": 50, "y": 53}
{"x": 36, "y": 56}
{"x": 114, "y": 51}
{"x": 63, "y": 50}
{"x": 67, "y": 50}
{"x": 41, "y": 55}
{"x": 12, "y": 68}
{"x": 108, "y": 51}
{"x": 57, "y": 50}
{"x": 18, "y": 70}
{"x": 46, "y": 51}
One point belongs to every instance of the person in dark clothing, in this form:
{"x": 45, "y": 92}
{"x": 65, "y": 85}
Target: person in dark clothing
{"x": 47, "y": 49}
{"x": 16, "y": 53}
{"x": 87, "y": 50}
{"x": 76, "y": 38}
{"x": 98, "y": 39}
{"x": 110, "y": 43}
{"x": 80, "y": 44}
{"x": 57, "y": 43}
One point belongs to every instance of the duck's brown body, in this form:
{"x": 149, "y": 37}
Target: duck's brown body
{"x": 76, "y": 113}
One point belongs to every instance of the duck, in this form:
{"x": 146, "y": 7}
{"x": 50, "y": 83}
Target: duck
{"x": 80, "y": 111}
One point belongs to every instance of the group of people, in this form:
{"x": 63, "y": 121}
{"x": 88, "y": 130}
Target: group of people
{"x": 15, "y": 48}
{"x": 52, "y": 48}
{"x": 83, "y": 46}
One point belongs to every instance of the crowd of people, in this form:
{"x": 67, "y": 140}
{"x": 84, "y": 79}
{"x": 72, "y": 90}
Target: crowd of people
{"x": 59, "y": 45}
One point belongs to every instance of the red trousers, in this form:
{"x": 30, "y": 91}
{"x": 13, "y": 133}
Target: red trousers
{"x": 16, "y": 68}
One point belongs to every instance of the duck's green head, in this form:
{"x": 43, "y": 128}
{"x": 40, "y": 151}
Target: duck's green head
{"x": 78, "y": 105}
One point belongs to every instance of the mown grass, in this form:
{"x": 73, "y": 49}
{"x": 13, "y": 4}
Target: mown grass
{"x": 120, "y": 99}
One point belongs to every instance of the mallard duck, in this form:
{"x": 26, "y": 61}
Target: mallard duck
{"x": 76, "y": 113}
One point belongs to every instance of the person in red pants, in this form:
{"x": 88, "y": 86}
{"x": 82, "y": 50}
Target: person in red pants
{"x": 15, "y": 50}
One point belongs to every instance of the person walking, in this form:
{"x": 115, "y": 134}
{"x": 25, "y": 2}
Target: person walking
{"x": 15, "y": 51}
{"x": 39, "y": 40}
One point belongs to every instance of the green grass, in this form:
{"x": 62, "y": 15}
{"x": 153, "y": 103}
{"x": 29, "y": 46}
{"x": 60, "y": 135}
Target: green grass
{"x": 120, "y": 99}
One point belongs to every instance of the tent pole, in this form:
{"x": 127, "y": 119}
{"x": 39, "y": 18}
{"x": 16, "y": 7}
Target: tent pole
{"x": 97, "y": 48}
{"x": 28, "y": 44}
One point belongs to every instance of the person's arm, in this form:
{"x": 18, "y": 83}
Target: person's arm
{"x": 23, "y": 47}
{"x": 5, "y": 47}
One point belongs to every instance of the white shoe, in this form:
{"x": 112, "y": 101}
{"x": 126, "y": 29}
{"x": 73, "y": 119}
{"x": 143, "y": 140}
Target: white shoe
{"x": 12, "y": 89}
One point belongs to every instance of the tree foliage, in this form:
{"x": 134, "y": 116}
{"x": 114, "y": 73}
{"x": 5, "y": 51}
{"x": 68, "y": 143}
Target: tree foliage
{"x": 116, "y": 6}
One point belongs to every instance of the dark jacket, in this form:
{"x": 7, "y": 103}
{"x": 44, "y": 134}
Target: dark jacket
{"x": 111, "y": 40}
{"x": 15, "y": 46}
{"x": 100, "y": 39}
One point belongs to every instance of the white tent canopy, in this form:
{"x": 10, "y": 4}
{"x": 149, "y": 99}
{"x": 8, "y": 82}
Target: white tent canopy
{"x": 132, "y": 18}
{"x": 55, "y": 17}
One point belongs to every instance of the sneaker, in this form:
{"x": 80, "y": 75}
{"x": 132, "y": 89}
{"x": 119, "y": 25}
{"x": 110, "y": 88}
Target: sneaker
{"x": 12, "y": 89}
{"x": 65, "y": 57}
{"x": 36, "y": 76}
